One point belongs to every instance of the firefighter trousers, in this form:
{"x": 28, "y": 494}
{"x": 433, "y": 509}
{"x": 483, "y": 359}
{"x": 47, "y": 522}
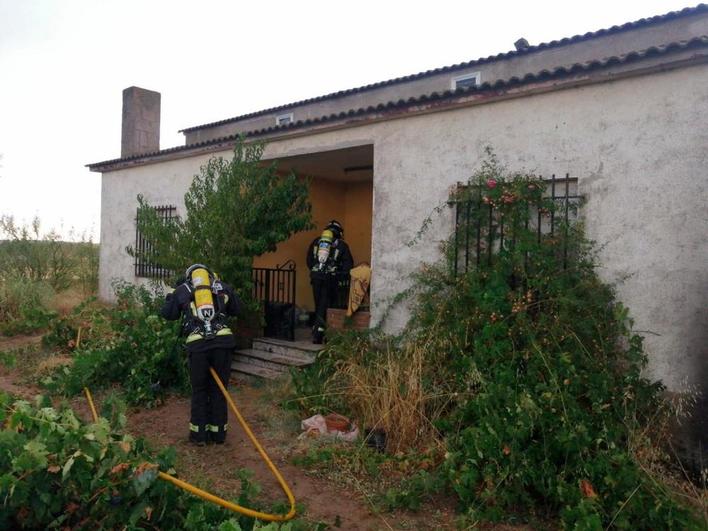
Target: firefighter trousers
{"x": 208, "y": 422}
{"x": 324, "y": 291}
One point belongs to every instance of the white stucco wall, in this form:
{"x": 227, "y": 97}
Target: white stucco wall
{"x": 161, "y": 184}
{"x": 639, "y": 147}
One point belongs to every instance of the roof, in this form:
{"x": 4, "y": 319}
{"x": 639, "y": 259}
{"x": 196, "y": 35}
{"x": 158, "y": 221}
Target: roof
{"x": 700, "y": 8}
{"x": 435, "y": 98}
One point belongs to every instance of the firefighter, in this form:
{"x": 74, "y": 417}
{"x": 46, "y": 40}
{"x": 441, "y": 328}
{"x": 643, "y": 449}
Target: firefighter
{"x": 329, "y": 261}
{"x": 203, "y": 302}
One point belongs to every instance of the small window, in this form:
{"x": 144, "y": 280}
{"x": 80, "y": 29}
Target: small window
{"x": 284, "y": 119}
{"x": 145, "y": 265}
{"x": 465, "y": 80}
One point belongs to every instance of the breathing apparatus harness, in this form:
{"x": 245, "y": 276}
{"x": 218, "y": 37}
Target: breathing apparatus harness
{"x": 205, "y": 318}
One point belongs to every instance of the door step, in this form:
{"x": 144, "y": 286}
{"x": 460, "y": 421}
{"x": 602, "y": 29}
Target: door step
{"x": 271, "y": 358}
{"x": 254, "y": 370}
{"x": 286, "y": 347}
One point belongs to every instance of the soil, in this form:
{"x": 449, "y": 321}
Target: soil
{"x": 15, "y": 342}
{"x": 9, "y": 378}
{"x": 215, "y": 467}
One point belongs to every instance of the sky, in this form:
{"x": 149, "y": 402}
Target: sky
{"x": 65, "y": 63}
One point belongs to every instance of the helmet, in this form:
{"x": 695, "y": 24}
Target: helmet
{"x": 336, "y": 227}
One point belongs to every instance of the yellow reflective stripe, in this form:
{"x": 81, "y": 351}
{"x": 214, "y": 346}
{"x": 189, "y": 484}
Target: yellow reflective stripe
{"x": 193, "y": 427}
{"x": 215, "y": 429}
{"x": 226, "y": 331}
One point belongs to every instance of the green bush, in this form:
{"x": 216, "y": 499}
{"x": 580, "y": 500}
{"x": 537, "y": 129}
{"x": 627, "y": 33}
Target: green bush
{"x": 558, "y": 398}
{"x": 544, "y": 407}
{"x": 57, "y": 472}
{"x": 23, "y": 305}
{"x": 28, "y": 253}
{"x": 85, "y": 272}
{"x": 33, "y": 267}
{"x": 137, "y": 349}
{"x": 235, "y": 209}
{"x": 91, "y": 318}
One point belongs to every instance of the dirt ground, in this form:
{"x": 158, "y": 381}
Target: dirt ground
{"x": 9, "y": 378}
{"x": 215, "y": 468}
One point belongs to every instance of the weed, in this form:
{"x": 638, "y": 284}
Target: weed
{"x": 524, "y": 368}
{"x": 58, "y": 471}
{"x": 127, "y": 344}
{"x": 23, "y": 305}
{"x": 8, "y": 359}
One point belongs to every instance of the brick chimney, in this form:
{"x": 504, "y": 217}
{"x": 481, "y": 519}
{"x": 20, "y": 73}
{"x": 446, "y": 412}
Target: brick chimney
{"x": 141, "y": 122}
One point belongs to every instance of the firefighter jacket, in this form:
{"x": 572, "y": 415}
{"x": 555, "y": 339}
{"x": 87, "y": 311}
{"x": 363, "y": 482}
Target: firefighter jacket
{"x": 340, "y": 259}
{"x": 180, "y": 303}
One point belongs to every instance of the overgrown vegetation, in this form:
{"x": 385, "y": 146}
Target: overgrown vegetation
{"x": 58, "y": 472}
{"x": 234, "y": 210}
{"x": 127, "y": 344}
{"x": 24, "y": 306}
{"x": 526, "y": 372}
{"x": 34, "y": 267}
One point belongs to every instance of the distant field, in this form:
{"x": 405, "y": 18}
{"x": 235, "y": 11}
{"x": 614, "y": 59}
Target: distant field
{"x": 42, "y": 277}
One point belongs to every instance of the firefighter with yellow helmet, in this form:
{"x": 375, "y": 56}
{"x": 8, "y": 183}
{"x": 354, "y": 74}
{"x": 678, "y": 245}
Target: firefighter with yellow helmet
{"x": 204, "y": 302}
{"x": 329, "y": 261}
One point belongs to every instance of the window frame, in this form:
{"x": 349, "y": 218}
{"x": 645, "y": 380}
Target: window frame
{"x": 287, "y": 115}
{"x": 144, "y": 267}
{"x": 464, "y": 77}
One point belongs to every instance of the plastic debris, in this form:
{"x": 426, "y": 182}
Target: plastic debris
{"x": 333, "y": 425}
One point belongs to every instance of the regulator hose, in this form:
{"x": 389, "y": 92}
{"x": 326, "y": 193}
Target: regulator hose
{"x": 216, "y": 499}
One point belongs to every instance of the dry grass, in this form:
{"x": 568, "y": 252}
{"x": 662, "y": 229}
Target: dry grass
{"x": 65, "y": 301}
{"x": 653, "y": 451}
{"x": 389, "y": 393}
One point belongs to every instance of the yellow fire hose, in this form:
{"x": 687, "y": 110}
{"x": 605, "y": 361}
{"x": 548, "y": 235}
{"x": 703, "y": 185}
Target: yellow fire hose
{"x": 211, "y": 497}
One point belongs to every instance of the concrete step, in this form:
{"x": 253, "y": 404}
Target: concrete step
{"x": 287, "y": 348}
{"x": 255, "y": 370}
{"x": 272, "y": 360}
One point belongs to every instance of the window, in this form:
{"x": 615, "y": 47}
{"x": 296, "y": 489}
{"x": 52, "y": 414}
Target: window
{"x": 145, "y": 265}
{"x": 465, "y": 80}
{"x": 481, "y": 230}
{"x": 284, "y": 119}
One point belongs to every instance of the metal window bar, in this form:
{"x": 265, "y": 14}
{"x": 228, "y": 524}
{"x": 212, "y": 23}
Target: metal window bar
{"x": 145, "y": 264}
{"x": 492, "y": 233}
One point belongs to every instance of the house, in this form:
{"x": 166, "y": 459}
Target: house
{"x": 621, "y": 109}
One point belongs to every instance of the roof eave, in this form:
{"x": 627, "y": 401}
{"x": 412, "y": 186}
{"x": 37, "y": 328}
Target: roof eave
{"x": 658, "y": 19}
{"x": 545, "y": 81}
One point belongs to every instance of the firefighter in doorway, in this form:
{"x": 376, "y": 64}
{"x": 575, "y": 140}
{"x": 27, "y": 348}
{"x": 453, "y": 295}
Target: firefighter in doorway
{"x": 204, "y": 302}
{"x": 329, "y": 261}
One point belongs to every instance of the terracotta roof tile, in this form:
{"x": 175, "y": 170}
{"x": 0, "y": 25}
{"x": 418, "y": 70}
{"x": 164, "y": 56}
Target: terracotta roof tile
{"x": 700, "y": 8}
{"x": 543, "y": 75}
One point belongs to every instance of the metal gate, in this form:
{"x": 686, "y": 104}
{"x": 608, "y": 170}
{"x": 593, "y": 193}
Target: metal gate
{"x": 275, "y": 289}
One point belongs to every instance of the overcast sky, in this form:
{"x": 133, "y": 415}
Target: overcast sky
{"x": 64, "y": 64}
